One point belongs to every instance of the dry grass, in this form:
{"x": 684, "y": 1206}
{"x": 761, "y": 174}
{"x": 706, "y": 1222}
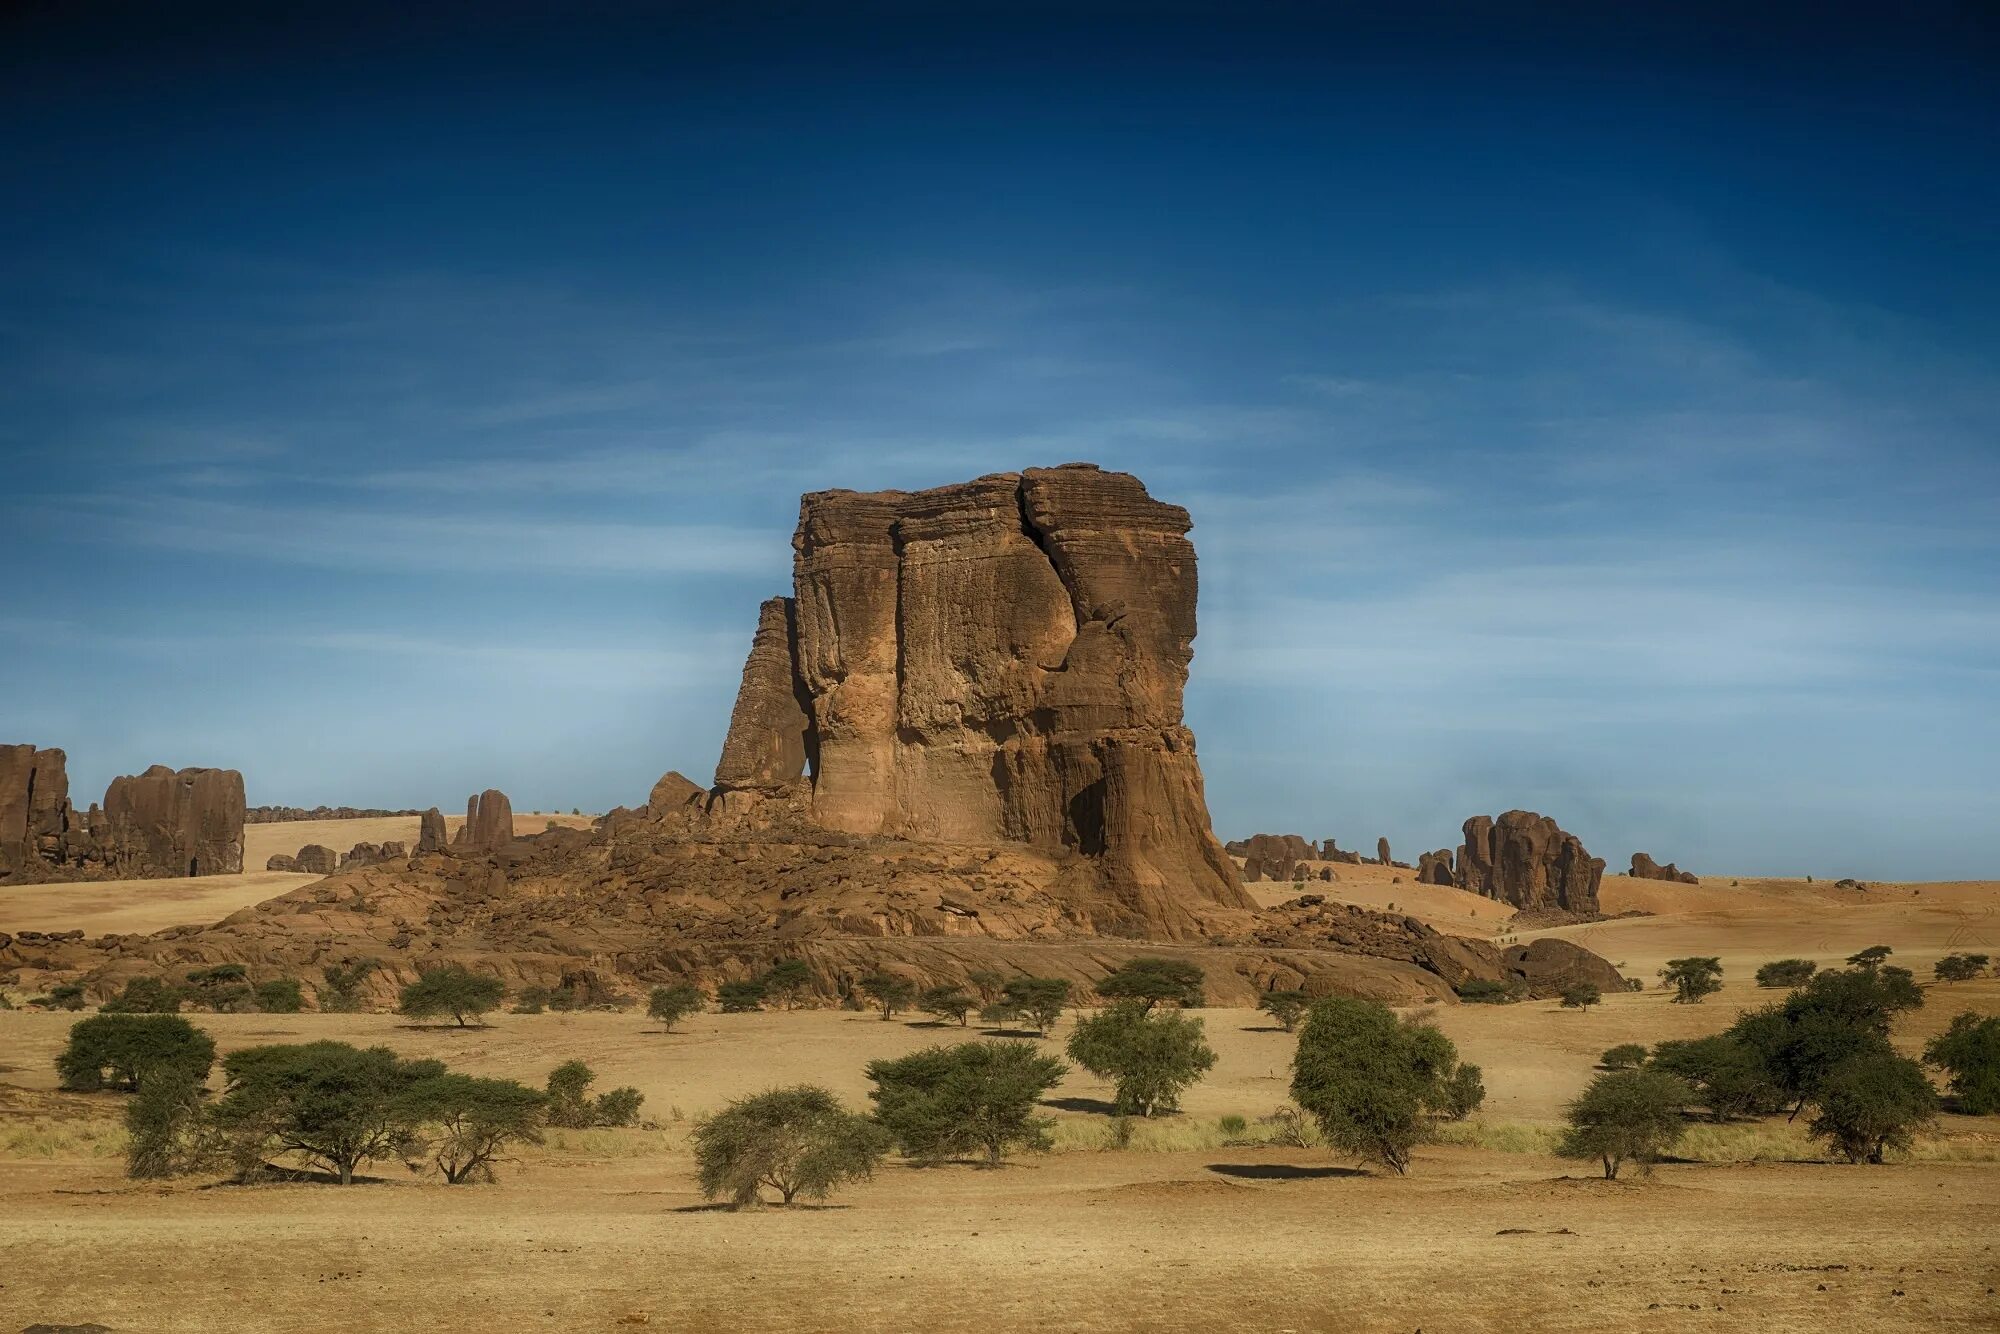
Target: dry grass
{"x": 51, "y": 1138}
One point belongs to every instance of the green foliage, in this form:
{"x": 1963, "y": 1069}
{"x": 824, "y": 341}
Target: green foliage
{"x": 889, "y": 991}
{"x": 1786, "y": 973}
{"x": 341, "y": 992}
{"x": 1153, "y": 980}
{"x": 531, "y": 1000}
{"x": 127, "y": 1050}
{"x": 583, "y": 991}
{"x": 1581, "y": 996}
{"x": 450, "y": 989}
{"x": 223, "y": 989}
{"x": 145, "y": 995}
{"x": 281, "y": 995}
{"x": 1485, "y": 991}
{"x": 1233, "y": 1125}
{"x": 1287, "y": 1007}
{"x": 1040, "y": 999}
{"x": 1873, "y": 1101}
{"x": 1871, "y": 957}
{"x": 787, "y": 980}
{"x": 946, "y": 1003}
{"x": 987, "y": 983}
{"x": 672, "y": 1004}
{"x": 335, "y": 1105}
{"x": 1370, "y": 1082}
{"x": 942, "y": 1102}
{"x": 571, "y": 1106}
{"x": 65, "y": 996}
{"x": 740, "y": 997}
{"x": 1627, "y": 1114}
{"x": 1832, "y": 1017}
{"x": 1959, "y": 967}
{"x": 1624, "y": 1056}
{"x": 166, "y": 1130}
{"x": 1461, "y": 1093}
{"x": 1150, "y": 1058}
{"x": 798, "y": 1141}
{"x": 1692, "y": 978}
{"x": 1969, "y": 1052}
{"x": 1725, "y": 1074}
{"x": 466, "y": 1122}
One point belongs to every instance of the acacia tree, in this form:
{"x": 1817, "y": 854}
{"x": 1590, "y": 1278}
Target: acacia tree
{"x": 1969, "y": 1052}
{"x": 740, "y": 997}
{"x": 1152, "y": 980}
{"x": 797, "y": 1141}
{"x": 466, "y": 1122}
{"x": 1581, "y": 996}
{"x": 891, "y": 992}
{"x": 1624, "y": 1056}
{"x": 1287, "y": 1007}
{"x": 341, "y": 993}
{"x": 451, "y": 989}
{"x": 127, "y": 1050}
{"x": 571, "y": 1106}
{"x": 1724, "y": 1074}
{"x": 672, "y": 1004}
{"x": 332, "y": 1104}
{"x": 1786, "y": 973}
{"x": 1874, "y": 1101}
{"x": 1959, "y": 967}
{"x": 1150, "y": 1058}
{"x": 1872, "y": 957}
{"x": 166, "y": 1127}
{"x": 786, "y": 979}
{"x": 946, "y": 1003}
{"x": 1692, "y": 978}
{"x": 1369, "y": 1080}
{"x": 1832, "y": 1017}
{"x": 1627, "y": 1114}
{"x": 974, "y": 1096}
{"x": 1041, "y": 999}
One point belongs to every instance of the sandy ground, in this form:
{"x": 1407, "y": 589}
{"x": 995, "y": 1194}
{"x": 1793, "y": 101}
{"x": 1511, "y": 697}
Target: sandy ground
{"x": 106, "y": 906}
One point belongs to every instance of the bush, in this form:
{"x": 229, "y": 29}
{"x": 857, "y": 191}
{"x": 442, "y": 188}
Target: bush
{"x": 335, "y": 1105}
{"x": 341, "y": 993}
{"x": 1724, "y": 1074}
{"x": 787, "y": 980}
{"x": 1832, "y": 1017}
{"x": 1287, "y": 1007}
{"x": 798, "y": 1141}
{"x": 281, "y": 995}
{"x": 1873, "y": 1101}
{"x": 945, "y": 1101}
{"x": 740, "y": 997}
{"x": 1485, "y": 991}
{"x": 1369, "y": 1080}
{"x": 1581, "y": 996}
{"x": 1786, "y": 973}
{"x": 584, "y": 991}
{"x": 1151, "y": 980}
{"x": 889, "y": 991}
{"x": 450, "y": 989}
{"x": 126, "y": 1050}
{"x": 145, "y": 995}
{"x": 946, "y": 1003}
{"x": 1692, "y": 978}
{"x": 66, "y": 996}
{"x": 1959, "y": 967}
{"x": 1624, "y": 1056}
{"x": 470, "y": 1121}
{"x": 1150, "y": 1058}
{"x": 1969, "y": 1051}
{"x": 223, "y": 989}
{"x": 166, "y": 1131}
{"x": 1627, "y": 1114}
{"x": 987, "y": 983}
{"x": 1040, "y": 999}
{"x": 1871, "y": 957}
{"x": 1461, "y": 1093}
{"x": 531, "y": 1000}
{"x": 571, "y": 1106}
{"x": 670, "y": 1005}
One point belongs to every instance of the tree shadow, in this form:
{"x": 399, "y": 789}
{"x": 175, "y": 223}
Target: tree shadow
{"x": 443, "y": 1028}
{"x": 769, "y": 1206}
{"x": 1284, "y": 1171}
{"x": 1010, "y": 1033}
{"x": 269, "y": 1174}
{"x": 1097, "y": 1105}
{"x": 1265, "y": 1028}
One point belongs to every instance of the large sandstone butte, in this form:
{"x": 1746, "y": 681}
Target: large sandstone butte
{"x": 1525, "y": 859}
{"x": 162, "y": 822}
{"x": 995, "y": 662}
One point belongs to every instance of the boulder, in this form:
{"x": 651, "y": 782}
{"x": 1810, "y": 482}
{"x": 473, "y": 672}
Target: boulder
{"x": 675, "y": 792}
{"x": 1645, "y": 868}
{"x": 431, "y": 835}
{"x": 279, "y": 861}
{"x": 317, "y": 859}
{"x": 1434, "y": 868}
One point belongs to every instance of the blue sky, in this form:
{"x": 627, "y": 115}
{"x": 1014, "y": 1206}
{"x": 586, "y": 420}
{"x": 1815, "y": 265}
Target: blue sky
{"x": 1599, "y": 420}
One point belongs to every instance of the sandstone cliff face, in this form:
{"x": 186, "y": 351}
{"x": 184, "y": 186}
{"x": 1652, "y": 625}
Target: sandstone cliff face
{"x": 999, "y": 661}
{"x": 159, "y": 823}
{"x": 431, "y": 832}
{"x": 489, "y": 823}
{"x": 1525, "y": 859}
{"x": 34, "y": 809}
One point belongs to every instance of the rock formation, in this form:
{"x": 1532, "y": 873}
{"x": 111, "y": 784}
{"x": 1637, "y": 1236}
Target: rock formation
{"x": 1645, "y": 868}
{"x": 489, "y": 823}
{"x": 1382, "y": 852}
{"x": 1273, "y": 856}
{"x": 281, "y": 861}
{"x": 999, "y": 661}
{"x": 294, "y": 814}
{"x": 317, "y": 859}
{"x": 1434, "y": 868}
{"x": 1526, "y": 860}
{"x": 431, "y": 836}
{"x": 155, "y": 824}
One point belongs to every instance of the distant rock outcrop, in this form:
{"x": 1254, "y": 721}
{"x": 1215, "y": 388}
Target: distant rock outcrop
{"x": 1272, "y": 856}
{"x": 1382, "y": 852}
{"x": 431, "y": 836}
{"x": 317, "y": 859}
{"x": 1645, "y": 868}
{"x": 489, "y": 823}
{"x": 281, "y": 861}
{"x": 294, "y": 814}
{"x": 1434, "y": 868}
{"x": 1526, "y": 860}
{"x": 159, "y": 823}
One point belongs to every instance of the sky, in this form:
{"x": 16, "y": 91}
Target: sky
{"x": 1592, "y": 415}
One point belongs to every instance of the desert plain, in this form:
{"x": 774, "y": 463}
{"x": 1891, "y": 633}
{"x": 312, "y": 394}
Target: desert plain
{"x": 1191, "y": 1226}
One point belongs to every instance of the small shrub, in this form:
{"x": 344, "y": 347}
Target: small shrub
{"x": 798, "y": 1141}
{"x": 166, "y": 1127}
{"x": 281, "y": 995}
{"x": 1232, "y": 1126}
{"x": 1786, "y": 973}
{"x": 1628, "y": 1114}
{"x": 451, "y": 989}
{"x": 975, "y": 1096}
{"x": 672, "y": 1004}
{"x": 1624, "y": 1056}
{"x": 570, "y": 1105}
{"x": 1692, "y": 978}
{"x": 341, "y": 992}
{"x": 66, "y": 996}
{"x": 740, "y": 997}
{"x": 531, "y": 1000}
{"x": 125, "y": 1050}
{"x": 1969, "y": 1052}
{"x": 1287, "y": 1007}
{"x": 223, "y": 989}
{"x": 788, "y": 979}
{"x": 1462, "y": 1093}
{"x": 145, "y": 995}
{"x": 1581, "y": 996}
{"x": 1485, "y": 991}
{"x": 1150, "y": 1058}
